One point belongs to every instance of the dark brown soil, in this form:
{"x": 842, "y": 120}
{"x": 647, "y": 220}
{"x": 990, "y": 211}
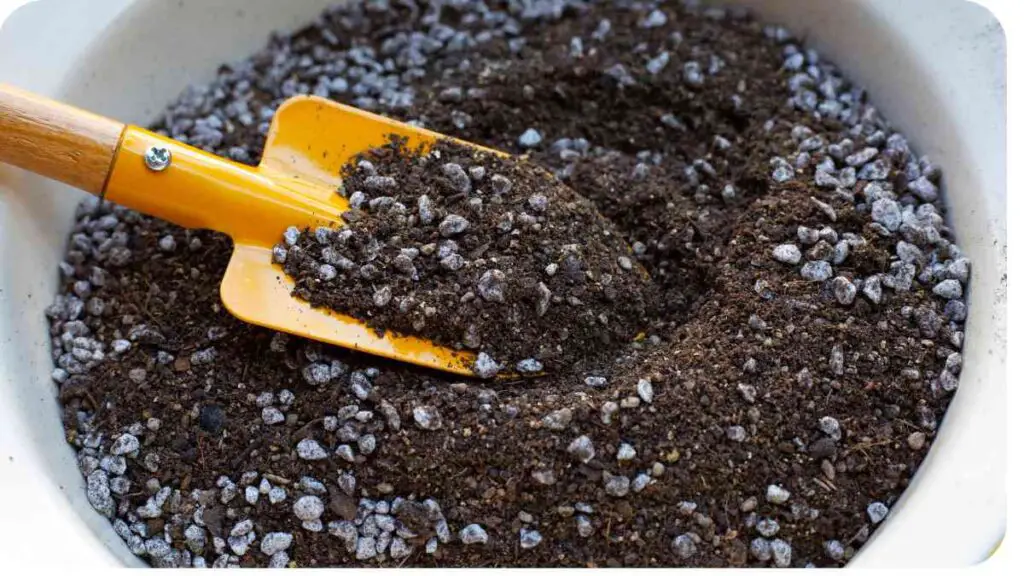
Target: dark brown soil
{"x": 733, "y": 338}
{"x": 510, "y": 262}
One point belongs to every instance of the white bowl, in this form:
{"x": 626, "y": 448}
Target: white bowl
{"x": 934, "y": 67}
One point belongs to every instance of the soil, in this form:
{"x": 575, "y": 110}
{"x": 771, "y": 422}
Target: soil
{"x": 509, "y": 261}
{"x": 748, "y": 377}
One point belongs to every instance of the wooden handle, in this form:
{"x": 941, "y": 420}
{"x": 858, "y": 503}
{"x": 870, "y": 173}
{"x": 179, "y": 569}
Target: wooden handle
{"x": 56, "y": 140}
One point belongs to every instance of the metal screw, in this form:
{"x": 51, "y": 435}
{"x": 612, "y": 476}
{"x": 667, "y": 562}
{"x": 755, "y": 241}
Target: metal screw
{"x": 157, "y": 158}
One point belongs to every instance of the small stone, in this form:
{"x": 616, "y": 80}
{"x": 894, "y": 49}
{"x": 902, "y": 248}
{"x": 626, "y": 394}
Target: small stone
{"x": 366, "y": 548}
{"x": 861, "y": 157}
{"x": 872, "y": 288}
{"x": 924, "y": 189}
{"x": 558, "y": 420}
{"x": 596, "y": 381}
{"x": 544, "y": 477}
{"x": 748, "y": 392}
{"x": 167, "y": 243}
{"x": 807, "y": 236}
{"x": 529, "y": 366}
{"x": 538, "y": 203}
{"x": 529, "y": 538}
{"x": 326, "y": 272}
{"x": 816, "y": 271}
{"x": 841, "y": 252}
{"x": 427, "y": 417}
{"x": 473, "y": 534}
{"x": 626, "y": 452}
{"x": 836, "y": 360}
{"x": 531, "y": 138}
{"x": 309, "y": 449}
{"x": 887, "y": 213}
{"x": 782, "y": 171}
{"x": 582, "y": 448}
{"x": 645, "y": 390}
{"x": 617, "y": 486}
{"x": 279, "y": 560}
{"x": 98, "y": 493}
{"x": 655, "y": 19}
{"x": 453, "y": 225}
{"x": 399, "y": 549}
{"x": 831, "y": 427}
{"x": 485, "y": 366}
{"x": 959, "y": 269}
{"x": 272, "y": 416}
{"x": 457, "y": 178}
{"x": 877, "y": 512}
{"x": 767, "y": 527}
{"x": 657, "y": 64}
{"x": 584, "y": 527}
{"x": 916, "y": 440}
{"x": 308, "y": 508}
{"x": 641, "y": 481}
{"x": 844, "y": 290}
{"x": 949, "y": 289}
{"x": 382, "y": 296}
{"x": 684, "y": 546}
{"x": 835, "y": 550}
{"x": 367, "y": 443}
{"x": 125, "y": 444}
{"x": 311, "y": 485}
{"x": 157, "y": 547}
{"x": 776, "y": 494}
{"x": 242, "y": 528}
{"x": 782, "y": 553}
{"x": 761, "y": 549}
{"x": 500, "y": 184}
{"x": 787, "y": 253}
{"x": 736, "y": 433}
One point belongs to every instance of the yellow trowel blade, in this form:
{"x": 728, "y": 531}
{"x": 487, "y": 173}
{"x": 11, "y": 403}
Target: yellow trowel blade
{"x": 296, "y": 184}
{"x": 309, "y": 141}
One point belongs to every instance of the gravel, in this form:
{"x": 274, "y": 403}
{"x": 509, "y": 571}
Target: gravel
{"x": 427, "y": 417}
{"x": 949, "y": 289}
{"x": 684, "y": 546}
{"x": 645, "y": 390}
{"x": 473, "y": 534}
{"x": 308, "y": 508}
{"x": 816, "y": 271}
{"x": 877, "y": 512}
{"x": 787, "y": 253}
{"x": 529, "y": 539}
{"x": 309, "y": 449}
{"x": 617, "y": 486}
{"x": 776, "y": 494}
{"x": 582, "y": 448}
{"x": 558, "y": 420}
{"x": 530, "y": 139}
{"x": 125, "y": 444}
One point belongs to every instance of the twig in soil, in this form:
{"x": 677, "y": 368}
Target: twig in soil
{"x": 199, "y": 445}
{"x": 822, "y": 484}
{"x": 862, "y": 447}
{"x": 302, "y": 430}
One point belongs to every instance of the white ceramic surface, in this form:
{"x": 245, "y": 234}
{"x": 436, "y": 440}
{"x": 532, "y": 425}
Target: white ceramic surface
{"x": 935, "y": 67}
